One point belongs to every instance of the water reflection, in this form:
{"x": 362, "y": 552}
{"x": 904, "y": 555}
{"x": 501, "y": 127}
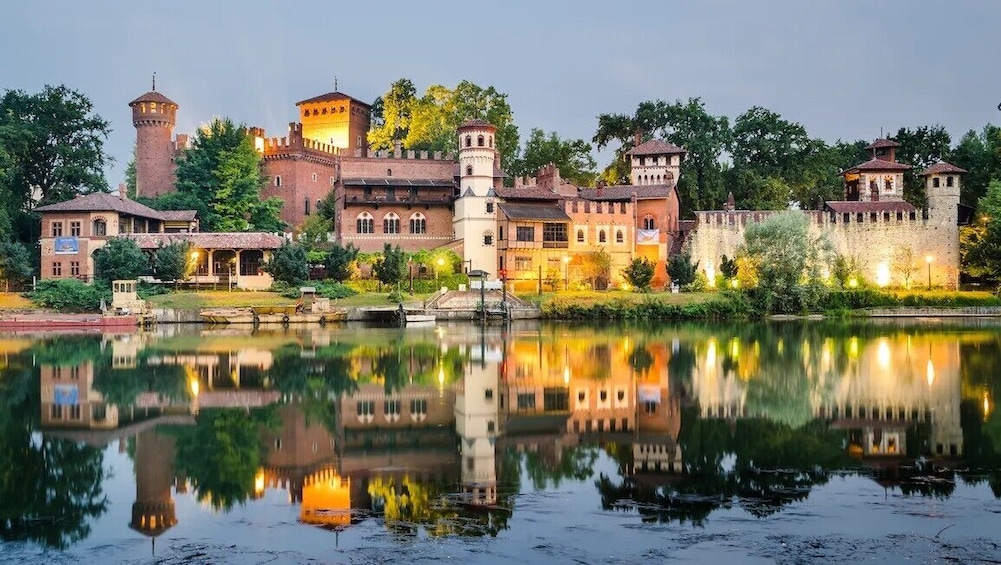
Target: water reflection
{"x": 436, "y": 431}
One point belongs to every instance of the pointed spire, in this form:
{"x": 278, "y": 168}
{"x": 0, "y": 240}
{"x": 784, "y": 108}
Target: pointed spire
{"x": 154, "y": 81}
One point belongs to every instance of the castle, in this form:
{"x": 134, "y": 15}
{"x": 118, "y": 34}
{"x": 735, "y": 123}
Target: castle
{"x": 545, "y": 226}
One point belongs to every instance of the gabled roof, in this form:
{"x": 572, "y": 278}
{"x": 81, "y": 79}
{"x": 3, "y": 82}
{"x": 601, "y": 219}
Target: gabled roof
{"x": 527, "y": 194}
{"x": 656, "y": 147}
{"x": 626, "y": 191}
{"x": 852, "y": 206}
{"x": 153, "y": 96}
{"x": 331, "y": 96}
{"x": 213, "y": 240}
{"x": 879, "y": 165}
{"x": 942, "y": 168}
{"x": 104, "y": 202}
{"x": 881, "y": 143}
{"x": 533, "y": 212}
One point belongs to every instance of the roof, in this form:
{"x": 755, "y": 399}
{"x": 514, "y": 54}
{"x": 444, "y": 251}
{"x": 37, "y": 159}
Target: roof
{"x": 393, "y": 181}
{"x": 533, "y": 212}
{"x": 330, "y": 96}
{"x": 527, "y": 193}
{"x": 852, "y": 206}
{"x": 626, "y": 192}
{"x": 941, "y": 168}
{"x": 153, "y": 96}
{"x": 881, "y": 143}
{"x": 178, "y": 215}
{"x": 477, "y": 123}
{"x": 880, "y": 165}
{"x": 103, "y": 202}
{"x": 205, "y": 240}
{"x": 656, "y": 147}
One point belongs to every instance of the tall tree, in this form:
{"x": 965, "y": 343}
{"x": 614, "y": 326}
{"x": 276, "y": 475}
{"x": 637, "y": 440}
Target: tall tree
{"x": 920, "y": 148}
{"x": 980, "y": 154}
{"x": 173, "y": 262}
{"x": 980, "y": 243}
{"x": 223, "y": 170}
{"x": 120, "y": 258}
{"x": 395, "y": 109}
{"x": 391, "y": 268}
{"x": 767, "y": 152}
{"x": 572, "y": 157}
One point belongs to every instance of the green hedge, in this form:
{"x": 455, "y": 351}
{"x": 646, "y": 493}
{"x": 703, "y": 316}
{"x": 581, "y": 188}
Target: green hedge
{"x": 69, "y": 295}
{"x": 724, "y": 308}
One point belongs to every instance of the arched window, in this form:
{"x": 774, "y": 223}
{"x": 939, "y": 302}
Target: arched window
{"x": 649, "y": 223}
{"x": 580, "y": 236}
{"x": 601, "y": 236}
{"x": 418, "y": 223}
{"x": 619, "y": 237}
{"x": 99, "y": 227}
{"x": 365, "y": 223}
{"x": 389, "y": 172}
{"x": 469, "y": 171}
{"x": 469, "y": 141}
{"x": 391, "y": 223}
{"x": 479, "y": 141}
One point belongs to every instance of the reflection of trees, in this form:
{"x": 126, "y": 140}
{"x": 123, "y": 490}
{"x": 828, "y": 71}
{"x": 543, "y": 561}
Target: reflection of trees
{"x": 573, "y": 463}
{"x": 407, "y": 505}
{"x": 49, "y": 489}
{"x": 121, "y": 386}
{"x": 222, "y": 452}
{"x": 68, "y": 350}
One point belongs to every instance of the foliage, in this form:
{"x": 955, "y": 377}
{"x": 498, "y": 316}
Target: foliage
{"x": 572, "y": 158}
{"x": 845, "y": 269}
{"x": 639, "y": 273}
{"x": 391, "y": 268}
{"x": 787, "y": 261}
{"x": 334, "y": 290}
{"x": 598, "y": 268}
{"x": 173, "y": 262}
{"x": 54, "y": 145}
{"x": 904, "y": 263}
{"x": 392, "y": 113}
{"x": 728, "y": 307}
{"x": 313, "y": 231}
{"x": 119, "y": 259}
{"x": 980, "y": 244}
{"x": 15, "y": 262}
{"x": 980, "y": 154}
{"x": 288, "y": 264}
{"x": 222, "y": 169}
{"x": 681, "y": 270}
{"x": 327, "y": 208}
{"x": 340, "y": 260}
{"x": 68, "y": 295}
{"x": 920, "y": 148}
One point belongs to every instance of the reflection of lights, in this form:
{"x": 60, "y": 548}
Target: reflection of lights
{"x": 930, "y": 372}
{"x": 259, "y": 482}
{"x": 987, "y": 405}
{"x": 883, "y": 354}
{"x": 882, "y": 274}
{"x": 711, "y": 353}
{"x": 194, "y": 386}
{"x": 566, "y": 375}
{"x": 825, "y": 354}
{"x": 441, "y": 375}
{"x": 780, "y": 346}
{"x": 734, "y": 347}
{"x": 853, "y": 348}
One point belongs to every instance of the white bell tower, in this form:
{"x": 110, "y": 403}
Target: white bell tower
{"x": 475, "y": 219}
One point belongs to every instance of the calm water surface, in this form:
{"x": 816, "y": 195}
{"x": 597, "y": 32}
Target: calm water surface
{"x": 785, "y": 442}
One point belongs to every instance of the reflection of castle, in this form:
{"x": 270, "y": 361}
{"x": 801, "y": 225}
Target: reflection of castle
{"x": 70, "y": 401}
{"x": 153, "y": 511}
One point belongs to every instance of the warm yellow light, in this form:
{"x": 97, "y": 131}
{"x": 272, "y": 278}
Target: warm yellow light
{"x": 441, "y": 262}
{"x": 734, "y": 348}
{"x": 711, "y": 275}
{"x": 987, "y": 406}
{"x": 194, "y": 386}
{"x": 852, "y": 282}
{"x": 929, "y": 258}
{"x": 194, "y": 254}
{"x": 734, "y": 283}
{"x": 566, "y": 375}
{"x": 853, "y": 348}
{"x": 882, "y": 274}
{"x": 566, "y": 258}
{"x": 883, "y": 354}
{"x": 930, "y": 372}
{"x": 711, "y": 353}
{"x": 441, "y": 375}
{"x": 259, "y": 482}
{"x": 625, "y": 286}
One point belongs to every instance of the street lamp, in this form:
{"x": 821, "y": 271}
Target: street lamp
{"x": 437, "y": 271}
{"x": 566, "y": 278}
{"x": 929, "y": 259}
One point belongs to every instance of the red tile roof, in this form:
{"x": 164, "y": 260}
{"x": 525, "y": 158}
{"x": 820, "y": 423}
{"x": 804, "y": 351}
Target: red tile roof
{"x": 219, "y": 240}
{"x": 178, "y": 215}
{"x": 527, "y": 193}
{"x": 941, "y": 168}
{"x": 881, "y": 143}
{"x": 626, "y": 192}
{"x": 879, "y": 165}
{"x": 852, "y": 206}
{"x": 477, "y": 123}
{"x": 533, "y": 212}
{"x": 104, "y": 202}
{"x": 153, "y": 96}
{"x": 330, "y": 96}
{"x": 656, "y": 147}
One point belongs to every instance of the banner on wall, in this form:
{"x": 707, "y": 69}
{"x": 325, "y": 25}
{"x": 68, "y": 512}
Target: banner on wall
{"x": 66, "y": 246}
{"x": 647, "y": 237}
{"x": 66, "y": 395}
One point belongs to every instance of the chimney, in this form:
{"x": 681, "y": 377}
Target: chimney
{"x": 638, "y": 138}
{"x": 600, "y": 187}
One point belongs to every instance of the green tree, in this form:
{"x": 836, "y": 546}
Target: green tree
{"x": 980, "y": 244}
{"x": 313, "y": 231}
{"x": 223, "y": 170}
{"x": 639, "y": 273}
{"x": 391, "y": 268}
{"x": 572, "y": 157}
{"x": 768, "y": 153}
{"x": 920, "y": 148}
{"x": 728, "y": 267}
{"x": 119, "y": 259}
{"x": 130, "y": 177}
{"x": 15, "y": 262}
{"x": 172, "y": 262}
{"x": 904, "y": 262}
{"x": 598, "y": 268}
{"x": 787, "y": 262}
{"x": 288, "y": 264}
{"x": 394, "y": 109}
{"x": 328, "y": 209}
{"x": 55, "y": 144}
{"x": 340, "y": 260}
{"x": 681, "y": 270}
{"x": 980, "y": 154}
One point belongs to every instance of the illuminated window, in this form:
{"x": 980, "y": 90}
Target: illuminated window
{"x": 418, "y": 223}
{"x": 365, "y": 223}
{"x": 619, "y": 238}
{"x": 522, "y": 263}
{"x": 57, "y": 229}
{"x": 391, "y": 223}
{"x": 75, "y": 229}
{"x": 580, "y": 236}
{"x": 152, "y": 107}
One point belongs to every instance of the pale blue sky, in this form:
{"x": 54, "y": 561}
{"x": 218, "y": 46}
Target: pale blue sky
{"x": 844, "y": 69}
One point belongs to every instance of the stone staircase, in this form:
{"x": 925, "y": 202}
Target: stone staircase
{"x": 468, "y": 302}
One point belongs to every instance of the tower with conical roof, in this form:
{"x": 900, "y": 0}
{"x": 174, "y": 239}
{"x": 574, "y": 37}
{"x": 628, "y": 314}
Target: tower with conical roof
{"x": 154, "y": 116}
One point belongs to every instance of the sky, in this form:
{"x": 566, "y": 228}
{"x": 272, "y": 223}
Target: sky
{"x": 844, "y": 69}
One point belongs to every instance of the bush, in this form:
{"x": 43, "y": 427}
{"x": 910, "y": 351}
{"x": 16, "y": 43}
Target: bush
{"x": 70, "y": 295}
{"x": 396, "y": 296}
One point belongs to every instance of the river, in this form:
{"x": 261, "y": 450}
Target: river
{"x": 781, "y": 442}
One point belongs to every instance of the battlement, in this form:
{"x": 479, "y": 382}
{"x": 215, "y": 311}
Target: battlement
{"x": 743, "y": 218}
{"x": 409, "y": 154}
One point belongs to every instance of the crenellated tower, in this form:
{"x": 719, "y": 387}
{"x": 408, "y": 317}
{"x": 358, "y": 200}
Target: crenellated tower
{"x": 154, "y": 116}
{"x": 475, "y": 208}
{"x": 942, "y": 186}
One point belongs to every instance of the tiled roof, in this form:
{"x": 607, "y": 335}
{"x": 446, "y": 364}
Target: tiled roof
{"x": 527, "y": 194}
{"x": 880, "y": 165}
{"x": 851, "y": 206}
{"x": 153, "y": 96}
{"x": 394, "y": 181}
{"x": 625, "y": 192}
{"x": 533, "y": 212}
{"x": 656, "y": 147}
{"x": 881, "y": 143}
{"x": 476, "y": 123}
{"x": 103, "y": 202}
{"x": 205, "y": 240}
{"x": 178, "y": 215}
{"x": 943, "y": 168}
{"x": 330, "y": 96}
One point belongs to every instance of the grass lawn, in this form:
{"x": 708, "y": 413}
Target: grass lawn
{"x": 14, "y": 301}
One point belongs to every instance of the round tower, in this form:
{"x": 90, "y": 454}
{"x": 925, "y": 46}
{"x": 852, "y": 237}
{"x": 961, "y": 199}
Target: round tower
{"x": 154, "y": 116}
{"x": 475, "y": 210}
{"x": 942, "y": 186}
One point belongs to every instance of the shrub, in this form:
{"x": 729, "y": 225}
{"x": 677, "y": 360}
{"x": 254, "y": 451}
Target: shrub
{"x": 639, "y": 273}
{"x": 69, "y": 295}
{"x": 681, "y": 269}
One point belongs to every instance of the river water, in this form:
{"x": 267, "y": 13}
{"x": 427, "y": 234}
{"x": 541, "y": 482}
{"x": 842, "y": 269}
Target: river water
{"x": 785, "y": 442}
